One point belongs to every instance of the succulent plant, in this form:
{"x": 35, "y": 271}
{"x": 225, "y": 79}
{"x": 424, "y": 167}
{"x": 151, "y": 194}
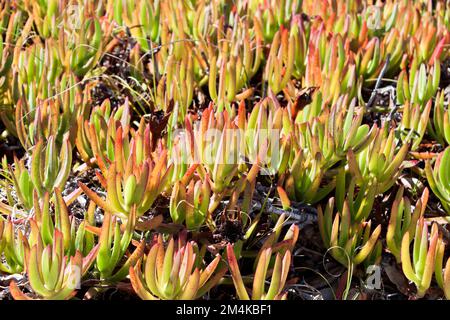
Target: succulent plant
{"x": 414, "y": 123}
{"x": 52, "y": 274}
{"x": 46, "y": 16}
{"x": 349, "y": 243}
{"x": 14, "y": 246}
{"x": 172, "y": 273}
{"x": 439, "y": 177}
{"x": 234, "y": 63}
{"x": 190, "y": 203}
{"x": 270, "y": 16}
{"x": 279, "y": 273}
{"x": 22, "y": 183}
{"x": 96, "y": 136}
{"x": 218, "y": 149}
{"x": 393, "y": 43}
{"x": 146, "y": 15}
{"x": 133, "y": 178}
{"x": 369, "y": 62}
{"x": 12, "y": 26}
{"x": 268, "y": 126}
{"x": 113, "y": 244}
{"x": 442, "y": 275}
{"x": 335, "y": 132}
{"x": 75, "y": 237}
{"x": 440, "y": 126}
{"x": 200, "y": 110}
{"x": 420, "y": 85}
{"x": 177, "y": 85}
{"x": 280, "y": 63}
{"x": 420, "y": 269}
{"x": 48, "y": 169}
{"x": 360, "y": 199}
{"x": 402, "y": 220}
{"x": 85, "y": 44}
{"x": 304, "y": 181}
{"x": 381, "y": 162}
{"x": 289, "y": 240}
{"x": 332, "y": 68}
